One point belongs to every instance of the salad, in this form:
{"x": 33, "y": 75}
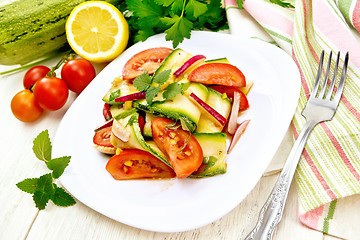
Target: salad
{"x": 169, "y": 115}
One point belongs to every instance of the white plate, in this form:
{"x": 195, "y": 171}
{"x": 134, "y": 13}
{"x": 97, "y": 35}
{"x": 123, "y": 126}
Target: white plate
{"x": 180, "y": 205}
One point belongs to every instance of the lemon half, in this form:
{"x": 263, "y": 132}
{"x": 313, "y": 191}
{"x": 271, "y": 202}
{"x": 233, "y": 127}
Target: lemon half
{"x": 97, "y": 31}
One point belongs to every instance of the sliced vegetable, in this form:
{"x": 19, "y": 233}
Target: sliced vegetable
{"x": 239, "y": 131}
{"x": 130, "y": 97}
{"x": 218, "y": 73}
{"x": 187, "y": 64}
{"x": 108, "y": 123}
{"x": 232, "y": 124}
{"x": 137, "y": 164}
{"x": 209, "y": 109}
{"x": 148, "y": 60}
{"x": 230, "y": 90}
{"x": 183, "y": 150}
{"x": 120, "y": 131}
{"x": 106, "y": 112}
{"x": 102, "y": 137}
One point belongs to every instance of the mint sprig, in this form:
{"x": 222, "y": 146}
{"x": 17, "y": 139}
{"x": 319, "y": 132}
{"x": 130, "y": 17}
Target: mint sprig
{"x": 152, "y": 85}
{"x": 43, "y": 188}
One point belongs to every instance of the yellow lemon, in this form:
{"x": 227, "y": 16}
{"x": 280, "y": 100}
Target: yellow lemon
{"x": 97, "y": 31}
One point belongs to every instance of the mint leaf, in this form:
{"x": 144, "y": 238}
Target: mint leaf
{"x": 58, "y": 165}
{"x": 282, "y": 3}
{"x": 151, "y": 93}
{"x": 162, "y": 77}
{"x": 62, "y": 198}
{"x": 28, "y": 185}
{"x": 172, "y": 90}
{"x": 240, "y": 3}
{"x": 42, "y": 146}
{"x": 142, "y": 82}
{"x": 44, "y": 191}
{"x": 195, "y": 8}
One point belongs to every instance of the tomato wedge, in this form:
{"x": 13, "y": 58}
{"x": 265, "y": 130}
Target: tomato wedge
{"x": 229, "y": 90}
{"x": 148, "y": 60}
{"x": 137, "y": 164}
{"x": 183, "y": 150}
{"x": 219, "y": 74}
{"x": 102, "y": 137}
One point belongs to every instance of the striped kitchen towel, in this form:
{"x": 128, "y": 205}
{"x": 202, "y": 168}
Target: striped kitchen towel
{"x": 329, "y": 168}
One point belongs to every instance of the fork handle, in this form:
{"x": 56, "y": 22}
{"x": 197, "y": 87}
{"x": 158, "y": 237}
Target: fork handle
{"x": 271, "y": 213}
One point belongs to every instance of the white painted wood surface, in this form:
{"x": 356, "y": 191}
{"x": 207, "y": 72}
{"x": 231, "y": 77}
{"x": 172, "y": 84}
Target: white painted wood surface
{"x": 19, "y": 219}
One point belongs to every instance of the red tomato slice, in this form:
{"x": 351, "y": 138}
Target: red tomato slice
{"x": 137, "y": 164}
{"x": 218, "y": 73}
{"x": 184, "y": 152}
{"x": 148, "y": 60}
{"x": 229, "y": 90}
{"x": 102, "y": 137}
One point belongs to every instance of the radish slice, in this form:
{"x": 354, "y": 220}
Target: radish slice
{"x": 220, "y": 118}
{"x": 187, "y": 64}
{"x": 232, "y": 124}
{"x": 120, "y": 131}
{"x": 239, "y": 131}
{"x": 106, "y": 124}
{"x": 130, "y": 97}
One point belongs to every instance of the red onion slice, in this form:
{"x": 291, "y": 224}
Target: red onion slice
{"x": 220, "y": 118}
{"x": 187, "y": 64}
{"x": 120, "y": 131}
{"x": 239, "y": 131}
{"x": 232, "y": 124}
{"x": 106, "y": 124}
{"x": 130, "y": 97}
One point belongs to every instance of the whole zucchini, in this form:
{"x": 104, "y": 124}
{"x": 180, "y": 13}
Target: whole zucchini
{"x": 32, "y": 29}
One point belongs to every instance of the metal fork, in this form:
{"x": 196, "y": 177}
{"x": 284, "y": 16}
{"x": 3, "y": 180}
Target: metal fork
{"x": 320, "y": 107}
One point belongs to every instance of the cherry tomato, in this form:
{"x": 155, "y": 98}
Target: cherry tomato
{"x": 77, "y": 73}
{"x": 229, "y": 90}
{"x": 137, "y": 164}
{"x": 24, "y": 107}
{"x": 106, "y": 112}
{"x": 218, "y": 73}
{"x": 148, "y": 60}
{"x": 51, "y": 93}
{"x": 183, "y": 150}
{"x": 34, "y": 74}
{"x": 102, "y": 137}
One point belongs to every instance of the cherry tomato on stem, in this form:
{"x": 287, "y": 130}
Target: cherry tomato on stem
{"x": 24, "y": 107}
{"x": 51, "y": 93}
{"x": 34, "y": 74}
{"x": 183, "y": 150}
{"x": 137, "y": 164}
{"x": 77, "y": 73}
{"x": 148, "y": 60}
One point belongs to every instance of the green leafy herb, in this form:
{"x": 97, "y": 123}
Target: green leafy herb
{"x": 152, "y": 85}
{"x": 44, "y": 188}
{"x": 176, "y": 18}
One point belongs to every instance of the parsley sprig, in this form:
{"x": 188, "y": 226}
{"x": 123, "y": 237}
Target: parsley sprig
{"x": 152, "y": 85}
{"x": 174, "y": 17}
{"x": 44, "y": 188}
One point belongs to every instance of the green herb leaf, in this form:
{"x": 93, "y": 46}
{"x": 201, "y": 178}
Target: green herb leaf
{"x": 240, "y": 3}
{"x": 151, "y": 93}
{"x": 62, "y": 198}
{"x": 162, "y": 77}
{"x": 28, "y": 185}
{"x": 282, "y": 3}
{"x": 58, "y": 165}
{"x": 44, "y": 191}
{"x": 195, "y": 8}
{"x": 42, "y": 146}
{"x": 142, "y": 82}
{"x": 179, "y": 30}
{"x": 172, "y": 90}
